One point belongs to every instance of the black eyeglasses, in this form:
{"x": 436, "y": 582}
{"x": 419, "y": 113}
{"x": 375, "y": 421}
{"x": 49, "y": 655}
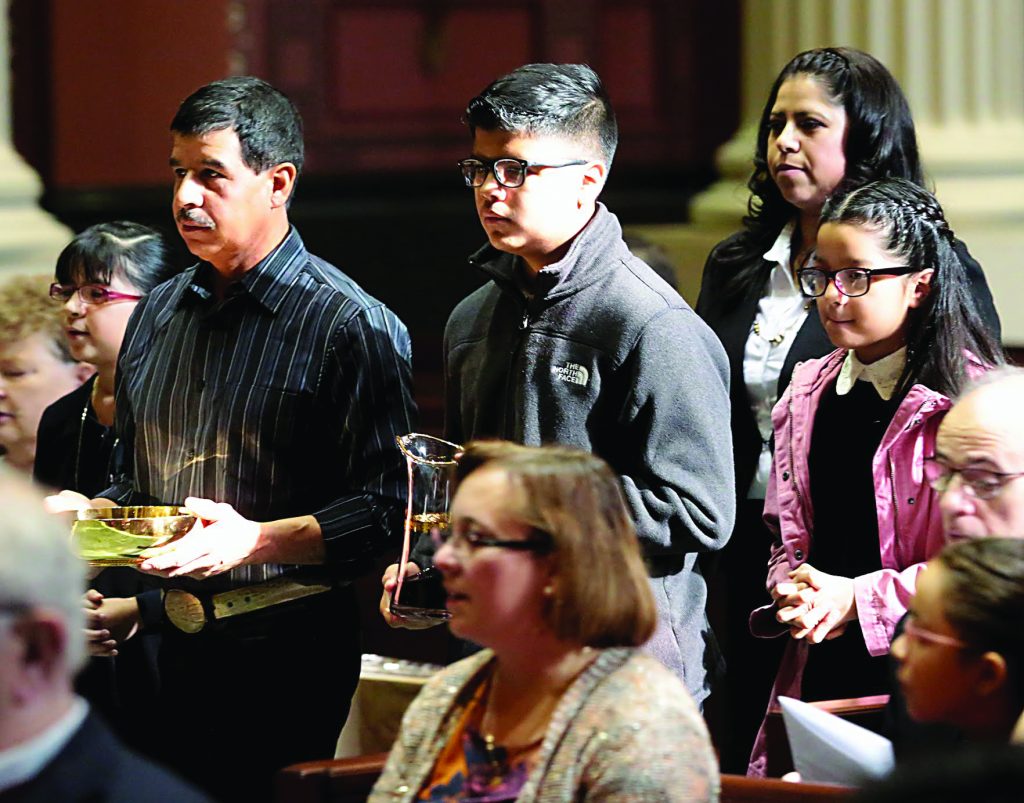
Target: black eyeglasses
{"x": 981, "y": 483}
{"x": 94, "y": 294}
{"x": 469, "y": 540}
{"x": 851, "y": 282}
{"x": 508, "y": 172}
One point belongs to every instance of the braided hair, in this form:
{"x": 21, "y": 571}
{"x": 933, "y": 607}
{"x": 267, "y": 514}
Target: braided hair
{"x": 880, "y": 143}
{"x": 947, "y": 326}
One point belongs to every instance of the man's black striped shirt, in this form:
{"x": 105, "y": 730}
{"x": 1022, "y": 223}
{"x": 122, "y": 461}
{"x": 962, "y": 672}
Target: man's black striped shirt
{"x": 282, "y": 399}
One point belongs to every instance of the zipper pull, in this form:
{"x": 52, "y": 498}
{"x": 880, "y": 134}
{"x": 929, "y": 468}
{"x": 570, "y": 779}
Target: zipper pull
{"x": 525, "y": 323}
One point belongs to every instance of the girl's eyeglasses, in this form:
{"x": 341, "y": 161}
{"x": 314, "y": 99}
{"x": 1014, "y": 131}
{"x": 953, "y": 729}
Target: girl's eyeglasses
{"x": 851, "y": 282}
{"x": 918, "y": 633}
{"x": 94, "y": 294}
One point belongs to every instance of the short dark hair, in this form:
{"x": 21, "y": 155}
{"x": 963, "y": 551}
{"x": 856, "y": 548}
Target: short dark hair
{"x": 603, "y": 596}
{"x": 137, "y": 254}
{"x": 268, "y": 126}
{"x": 947, "y": 326}
{"x": 561, "y": 100}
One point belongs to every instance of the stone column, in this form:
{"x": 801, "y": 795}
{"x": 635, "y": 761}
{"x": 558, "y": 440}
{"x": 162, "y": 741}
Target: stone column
{"x": 30, "y": 238}
{"x": 961, "y": 64}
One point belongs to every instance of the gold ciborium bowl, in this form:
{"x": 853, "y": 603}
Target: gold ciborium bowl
{"x": 117, "y": 536}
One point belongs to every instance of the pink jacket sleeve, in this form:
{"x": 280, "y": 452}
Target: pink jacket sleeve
{"x": 778, "y": 562}
{"x": 882, "y": 598}
{"x": 762, "y": 620}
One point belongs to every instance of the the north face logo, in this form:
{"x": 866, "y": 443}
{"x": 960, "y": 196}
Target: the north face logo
{"x": 572, "y": 372}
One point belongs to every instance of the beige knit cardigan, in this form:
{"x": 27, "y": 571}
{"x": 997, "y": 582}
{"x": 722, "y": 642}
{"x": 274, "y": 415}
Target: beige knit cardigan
{"x": 625, "y": 730}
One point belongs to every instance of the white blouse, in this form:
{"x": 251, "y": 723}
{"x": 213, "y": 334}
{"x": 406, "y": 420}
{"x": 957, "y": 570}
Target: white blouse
{"x": 780, "y": 314}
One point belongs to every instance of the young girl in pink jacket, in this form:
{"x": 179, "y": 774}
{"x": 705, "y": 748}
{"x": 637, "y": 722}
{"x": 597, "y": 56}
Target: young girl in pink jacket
{"x": 853, "y": 516}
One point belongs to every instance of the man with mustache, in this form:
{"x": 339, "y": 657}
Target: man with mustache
{"x": 263, "y": 389}
{"x": 574, "y": 340}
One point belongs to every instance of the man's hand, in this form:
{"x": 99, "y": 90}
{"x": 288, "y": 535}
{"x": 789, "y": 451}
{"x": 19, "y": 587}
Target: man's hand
{"x": 219, "y": 541}
{"x": 390, "y": 582}
{"x": 109, "y": 621}
{"x": 814, "y": 604}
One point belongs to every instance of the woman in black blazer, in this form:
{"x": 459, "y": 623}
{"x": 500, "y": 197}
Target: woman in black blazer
{"x": 835, "y": 119}
{"x": 101, "y": 275}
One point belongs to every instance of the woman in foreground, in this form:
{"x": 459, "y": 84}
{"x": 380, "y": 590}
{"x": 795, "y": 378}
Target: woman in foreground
{"x": 542, "y": 567}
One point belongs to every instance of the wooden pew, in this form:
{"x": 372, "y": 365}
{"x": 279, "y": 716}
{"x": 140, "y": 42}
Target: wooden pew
{"x": 741, "y": 789}
{"x": 349, "y": 780}
{"x": 336, "y": 780}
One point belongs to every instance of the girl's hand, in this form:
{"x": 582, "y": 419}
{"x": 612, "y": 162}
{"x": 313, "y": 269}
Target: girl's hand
{"x": 792, "y": 595}
{"x": 826, "y": 610}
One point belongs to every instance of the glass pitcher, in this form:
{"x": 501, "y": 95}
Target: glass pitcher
{"x": 431, "y": 465}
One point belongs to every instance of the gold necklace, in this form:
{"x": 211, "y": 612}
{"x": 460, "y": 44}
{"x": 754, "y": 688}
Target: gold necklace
{"x": 531, "y": 729}
{"x": 90, "y": 403}
{"x": 777, "y": 339}
{"x": 773, "y": 340}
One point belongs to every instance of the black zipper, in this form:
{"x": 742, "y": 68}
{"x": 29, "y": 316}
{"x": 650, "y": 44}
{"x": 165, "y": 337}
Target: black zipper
{"x": 510, "y": 383}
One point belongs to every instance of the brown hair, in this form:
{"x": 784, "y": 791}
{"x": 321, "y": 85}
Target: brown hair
{"x": 984, "y": 597}
{"x": 603, "y": 596}
{"x": 26, "y": 308}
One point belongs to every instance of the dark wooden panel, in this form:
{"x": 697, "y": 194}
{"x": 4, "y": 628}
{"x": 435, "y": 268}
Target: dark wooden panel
{"x": 399, "y": 63}
{"x": 382, "y": 84}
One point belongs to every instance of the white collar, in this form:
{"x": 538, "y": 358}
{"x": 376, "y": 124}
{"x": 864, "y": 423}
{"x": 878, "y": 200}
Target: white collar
{"x": 23, "y": 762}
{"x": 884, "y": 374}
{"x": 780, "y": 250}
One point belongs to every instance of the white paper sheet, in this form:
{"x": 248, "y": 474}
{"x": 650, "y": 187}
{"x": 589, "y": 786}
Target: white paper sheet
{"x": 827, "y": 749}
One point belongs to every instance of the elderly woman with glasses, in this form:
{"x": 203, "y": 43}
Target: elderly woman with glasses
{"x": 36, "y": 366}
{"x": 541, "y": 566}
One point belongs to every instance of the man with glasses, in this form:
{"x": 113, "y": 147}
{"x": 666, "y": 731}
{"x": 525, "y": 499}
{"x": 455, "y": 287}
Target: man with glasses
{"x": 979, "y": 459}
{"x": 574, "y": 340}
{"x": 52, "y": 746}
{"x": 977, "y": 469}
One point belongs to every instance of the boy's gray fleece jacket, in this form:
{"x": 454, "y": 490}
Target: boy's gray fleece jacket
{"x": 608, "y": 358}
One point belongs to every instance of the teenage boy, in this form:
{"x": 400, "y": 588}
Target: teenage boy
{"x": 574, "y": 340}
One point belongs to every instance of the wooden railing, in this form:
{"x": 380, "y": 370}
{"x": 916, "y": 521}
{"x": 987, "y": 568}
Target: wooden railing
{"x": 349, "y": 780}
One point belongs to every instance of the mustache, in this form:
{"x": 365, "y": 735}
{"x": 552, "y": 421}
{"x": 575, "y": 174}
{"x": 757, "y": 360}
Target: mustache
{"x": 194, "y": 217}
